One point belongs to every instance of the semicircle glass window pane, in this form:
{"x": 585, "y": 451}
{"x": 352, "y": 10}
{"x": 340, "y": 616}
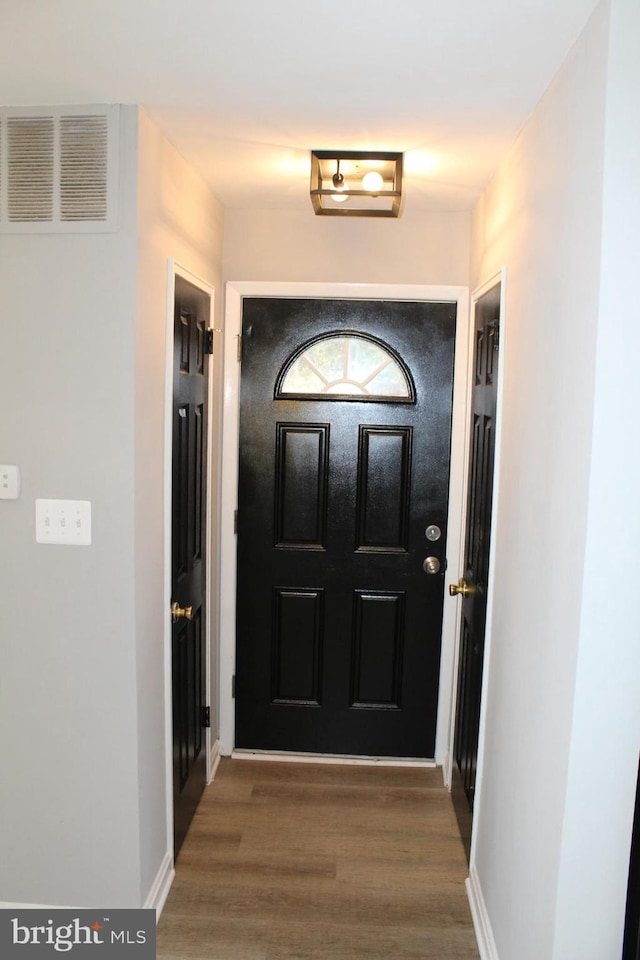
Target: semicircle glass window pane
{"x": 345, "y": 366}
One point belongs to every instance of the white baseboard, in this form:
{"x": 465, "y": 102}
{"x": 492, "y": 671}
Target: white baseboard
{"x": 9, "y": 905}
{"x": 214, "y": 760}
{"x": 161, "y": 885}
{"x": 481, "y": 922}
{"x": 155, "y": 901}
{"x": 330, "y": 758}
{"x": 446, "y": 770}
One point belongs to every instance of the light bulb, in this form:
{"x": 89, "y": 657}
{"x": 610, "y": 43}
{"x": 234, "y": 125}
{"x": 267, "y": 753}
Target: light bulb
{"x": 372, "y": 182}
{"x": 340, "y": 197}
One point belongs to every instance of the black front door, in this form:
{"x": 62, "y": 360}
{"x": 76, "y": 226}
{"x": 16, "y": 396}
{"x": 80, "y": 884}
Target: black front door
{"x": 344, "y": 474}
{"x": 476, "y": 560}
{"x": 189, "y": 555}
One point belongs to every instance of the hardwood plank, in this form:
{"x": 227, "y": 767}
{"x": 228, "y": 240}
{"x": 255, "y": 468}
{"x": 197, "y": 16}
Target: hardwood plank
{"x": 409, "y": 797}
{"x": 311, "y": 862}
{"x": 185, "y": 936}
{"x": 309, "y": 941}
{"x": 445, "y": 864}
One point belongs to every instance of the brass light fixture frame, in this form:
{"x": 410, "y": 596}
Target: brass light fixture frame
{"x": 324, "y": 187}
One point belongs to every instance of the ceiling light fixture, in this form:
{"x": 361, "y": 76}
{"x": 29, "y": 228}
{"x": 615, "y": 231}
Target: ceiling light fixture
{"x": 340, "y": 185}
{"x": 373, "y": 187}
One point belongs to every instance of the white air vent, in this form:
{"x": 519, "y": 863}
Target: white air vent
{"x": 83, "y": 168}
{"x": 30, "y": 172}
{"x": 58, "y": 170}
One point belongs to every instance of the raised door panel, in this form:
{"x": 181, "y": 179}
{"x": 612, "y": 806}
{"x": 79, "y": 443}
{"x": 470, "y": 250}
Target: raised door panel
{"x": 297, "y": 645}
{"x": 384, "y": 478}
{"x": 302, "y": 460}
{"x": 378, "y": 633}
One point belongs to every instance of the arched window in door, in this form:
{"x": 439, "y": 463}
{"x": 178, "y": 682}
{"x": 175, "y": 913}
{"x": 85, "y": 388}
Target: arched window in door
{"x": 346, "y": 365}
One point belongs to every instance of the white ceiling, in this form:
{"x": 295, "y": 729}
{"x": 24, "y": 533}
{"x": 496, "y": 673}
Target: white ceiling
{"x": 246, "y": 88}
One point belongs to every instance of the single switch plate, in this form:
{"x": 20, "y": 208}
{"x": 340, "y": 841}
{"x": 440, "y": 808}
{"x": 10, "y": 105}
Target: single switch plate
{"x": 64, "y": 521}
{"x": 9, "y": 482}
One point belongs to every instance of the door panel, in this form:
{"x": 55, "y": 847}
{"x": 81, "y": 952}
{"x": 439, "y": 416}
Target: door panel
{"x": 302, "y": 474}
{"x": 188, "y": 581}
{"x": 297, "y": 640}
{"x": 379, "y": 628}
{"x": 382, "y": 504}
{"x": 339, "y": 628}
{"x": 476, "y": 572}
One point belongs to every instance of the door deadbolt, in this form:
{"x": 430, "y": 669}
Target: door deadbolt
{"x": 431, "y": 565}
{"x": 433, "y": 532}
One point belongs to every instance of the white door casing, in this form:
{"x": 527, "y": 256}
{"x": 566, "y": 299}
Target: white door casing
{"x": 235, "y": 291}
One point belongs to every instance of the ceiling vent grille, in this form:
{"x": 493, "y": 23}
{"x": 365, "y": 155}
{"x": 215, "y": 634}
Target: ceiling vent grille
{"x": 58, "y": 170}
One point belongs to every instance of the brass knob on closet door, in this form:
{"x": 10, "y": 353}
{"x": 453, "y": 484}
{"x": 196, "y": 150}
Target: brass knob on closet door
{"x": 179, "y": 613}
{"x": 461, "y": 588}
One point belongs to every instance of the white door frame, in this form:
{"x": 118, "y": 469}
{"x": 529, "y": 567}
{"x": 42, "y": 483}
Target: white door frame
{"x": 235, "y": 291}
{"x": 175, "y": 270}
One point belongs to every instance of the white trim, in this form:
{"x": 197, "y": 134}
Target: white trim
{"x": 8, "y": 905}
{"x": 235, "y": 291}
{"x": 175, "y": 269}
{"x": 463, "y": 382}
{"x": 460, "y": 420}
{"x": 155, "y": 901}
{"x": 214, "y": 761}
{"x": 446, "y": 770}
{"x": 281, "y": 756}
{"x": 161, "y": 886}
{"x": 480, "y": 917}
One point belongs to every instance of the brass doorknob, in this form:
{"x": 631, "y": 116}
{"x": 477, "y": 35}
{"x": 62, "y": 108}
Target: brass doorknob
{"x": 461, "y": 587}
{"x": 178, "y": 612}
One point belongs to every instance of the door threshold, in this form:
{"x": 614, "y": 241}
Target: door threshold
{"x": 283, "y": 756}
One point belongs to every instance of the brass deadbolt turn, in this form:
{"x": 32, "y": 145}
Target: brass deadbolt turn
{"x": 178, "y": 612}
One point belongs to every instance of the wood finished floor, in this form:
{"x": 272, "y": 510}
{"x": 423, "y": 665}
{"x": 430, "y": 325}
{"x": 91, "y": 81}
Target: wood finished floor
{"x": 289, "y": 861}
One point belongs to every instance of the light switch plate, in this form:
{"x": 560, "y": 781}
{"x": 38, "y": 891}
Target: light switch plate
{"x": 9, "y": 482}
{"x": 64, "y": 521}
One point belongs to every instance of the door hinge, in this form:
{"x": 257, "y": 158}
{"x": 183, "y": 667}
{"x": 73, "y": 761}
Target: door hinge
{"x": 233, "y": 686}
{"x": 494, "y": 332}
{"x": 235, "y": 521}
{"x": 239, "y": 348}
{"x": 206, "y": 716}
{"x": 208, "y": 340}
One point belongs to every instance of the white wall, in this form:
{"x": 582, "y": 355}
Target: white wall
{"x": 286, "y": 245}
{"x": 83, "y": 809}
{"x": 69, "y": 805}
{"x": 178, "y": 217}
{"x": 541, "y": 217}
{"x": 606, "y": 713}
